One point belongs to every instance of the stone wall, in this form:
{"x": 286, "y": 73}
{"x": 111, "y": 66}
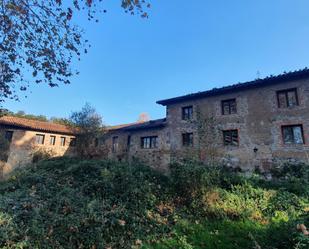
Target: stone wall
{"x": 158, "y": 157}
{"x": 23, "y": 146}
{"x": 258, "y": 121}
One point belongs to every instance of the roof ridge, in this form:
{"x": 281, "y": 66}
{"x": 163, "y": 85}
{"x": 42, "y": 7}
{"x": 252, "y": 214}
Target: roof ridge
{"x": 238, "y": 86}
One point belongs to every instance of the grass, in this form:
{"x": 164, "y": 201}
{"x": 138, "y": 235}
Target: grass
{"x": 68, "y": 203}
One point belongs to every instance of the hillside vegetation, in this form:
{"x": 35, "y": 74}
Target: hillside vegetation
{"x": 68, "y": 203}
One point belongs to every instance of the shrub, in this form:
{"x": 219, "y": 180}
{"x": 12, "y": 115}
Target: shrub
{"x": 66, "y": 203}
{"x": 42, "y": 154}
{"x": 69, "y": 203}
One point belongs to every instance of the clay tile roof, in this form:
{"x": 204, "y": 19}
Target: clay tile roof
{"x": 35, "y": 125}
{"x": 158, "y": 123}
{"x": 270, "y": 80}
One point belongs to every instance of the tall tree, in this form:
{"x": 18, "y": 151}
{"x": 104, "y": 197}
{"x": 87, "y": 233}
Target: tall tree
{"x": 38, "y": 40}
{"x": 88, "y": 127}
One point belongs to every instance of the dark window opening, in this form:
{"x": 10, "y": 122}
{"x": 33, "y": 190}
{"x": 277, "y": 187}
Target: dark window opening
{"x": 9, "y": 135}
{"x": 287, "y": 98}
{"x": 230, "y": 137}
{"x": 72, "y": 142}
{"x": 39, "y": 138}
{"x": 62, "y": 141}
{"x": 129, "y": 141}
{"x": 187, "y": 113}
{"x": 293, "y": 134}
{"x": 149, "y": 142}
{"x": 115, "y": 144}
{"x": 229, "y": 107}
{"x": 187, "y": 139}
{"x": 52, "y": 140}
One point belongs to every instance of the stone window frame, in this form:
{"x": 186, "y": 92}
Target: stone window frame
{"x": 292, "y": 126}
{"x": 187, "y": 112}
{"x": 52, "y": 140}
{"x": 228, "y": 101}
{"x": 285, "y": 92}
{"x": 152, "y": 144}
{"x": 62, "y": 141}
{"x": 225, "y": 132}
{"x": 187, "y": 139}
{"x": 40, "y": 139}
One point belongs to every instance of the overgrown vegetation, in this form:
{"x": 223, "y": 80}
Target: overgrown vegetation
{"x": 68, "y": 203}
{"x": 88, "y": 126}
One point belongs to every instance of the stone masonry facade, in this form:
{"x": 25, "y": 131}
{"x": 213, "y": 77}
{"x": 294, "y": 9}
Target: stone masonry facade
{"x": 29, "y": 137}
{"x": 248, "y": 125}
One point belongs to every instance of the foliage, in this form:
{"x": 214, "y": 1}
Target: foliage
{"x": 42, "y": 154}
{"x": 69, "y": 203}
{"x": 40, "y": 36}
{"x": 62, "y": 121}
{"x": 89, "y": 128}
{"x": 22, "y": 114}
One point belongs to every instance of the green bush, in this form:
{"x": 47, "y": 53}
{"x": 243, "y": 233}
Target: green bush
{"x": 42, "y": 154}
{"x": 69, "y": 203}
{"x": 65, "y": 203}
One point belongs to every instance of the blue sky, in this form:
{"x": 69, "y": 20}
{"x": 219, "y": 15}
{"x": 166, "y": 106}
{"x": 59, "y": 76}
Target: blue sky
{"x": 184, "y": 47}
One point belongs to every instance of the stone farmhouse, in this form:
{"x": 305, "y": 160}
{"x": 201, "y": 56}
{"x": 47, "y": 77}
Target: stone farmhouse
{"x": 27, "y": 137}
{"x": 248, "y": 125}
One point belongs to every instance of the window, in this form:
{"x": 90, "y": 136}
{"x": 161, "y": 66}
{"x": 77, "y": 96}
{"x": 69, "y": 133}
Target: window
{"x": 230, "y": 137}
{"x": 229, "y": 107}
{"x": 187, "y": 113}
{"x": 115, "y": 144}
{"x": 293, "y": 134}
{"x": 129, "y": 142}
{"x": 9, "y": 135}
{"x": 72, "y": 142}
{"x": 52, "y": 140}
{"x": 187, "y": 139}
{"x": 287, "y": 98}
{"x": 39, "y": 138}
{"x": 62, "y": 141}
{"x": 149, "y": 142}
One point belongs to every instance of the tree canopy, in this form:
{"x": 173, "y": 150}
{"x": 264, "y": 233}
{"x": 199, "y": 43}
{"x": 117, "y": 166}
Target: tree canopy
{"x": 88, "y": 126}
{"x": 39, "y": 40}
